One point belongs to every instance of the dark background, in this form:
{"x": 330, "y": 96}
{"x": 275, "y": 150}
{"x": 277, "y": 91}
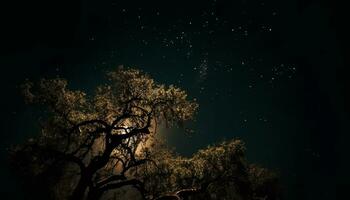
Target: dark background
{"x": 272, "y": 73}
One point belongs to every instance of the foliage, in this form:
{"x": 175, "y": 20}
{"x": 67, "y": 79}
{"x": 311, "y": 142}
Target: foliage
{"x": 104, "y": 146}
{"x": 91, "y": 143}
{"x": 216, "y": 172}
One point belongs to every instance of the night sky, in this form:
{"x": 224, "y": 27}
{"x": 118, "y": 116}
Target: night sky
{"x": 271, "y": 73}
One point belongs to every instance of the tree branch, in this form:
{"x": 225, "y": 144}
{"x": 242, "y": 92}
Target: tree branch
{"x": 133, "y": 182}
{"x": 119, "y": 177}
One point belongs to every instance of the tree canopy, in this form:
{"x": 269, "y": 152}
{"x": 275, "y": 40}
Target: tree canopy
{"x": 91, "y": 144}
{"x": 220, "y": 171}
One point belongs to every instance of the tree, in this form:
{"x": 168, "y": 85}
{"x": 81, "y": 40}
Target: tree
{"x": 216, "y": 172}
{"x": 89, "y": 145}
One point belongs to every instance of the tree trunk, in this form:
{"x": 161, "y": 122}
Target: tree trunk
{"x": 94, "y": 194}
{"x": 80, "y": 189}
{"x": 79, "y": 192}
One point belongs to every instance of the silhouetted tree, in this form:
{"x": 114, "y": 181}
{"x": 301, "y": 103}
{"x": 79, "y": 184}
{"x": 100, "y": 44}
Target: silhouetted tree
{"x": 216, "y": 172}
{"x": 89, "y": 145}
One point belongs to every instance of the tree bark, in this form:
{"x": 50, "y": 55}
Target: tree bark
{"x": 94, "y": 194}
{"x": 81, "y": 188}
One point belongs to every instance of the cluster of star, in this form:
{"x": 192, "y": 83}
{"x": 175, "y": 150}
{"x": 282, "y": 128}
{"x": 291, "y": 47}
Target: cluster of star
{"x": 183, "y": 35}
{"x": 192, "y": 40}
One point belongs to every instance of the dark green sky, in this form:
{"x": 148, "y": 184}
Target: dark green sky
{"x": 268, "y": 72}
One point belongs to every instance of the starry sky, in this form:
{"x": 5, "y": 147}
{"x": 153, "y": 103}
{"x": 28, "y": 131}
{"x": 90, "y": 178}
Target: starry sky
{"x": 271, "y": 73}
